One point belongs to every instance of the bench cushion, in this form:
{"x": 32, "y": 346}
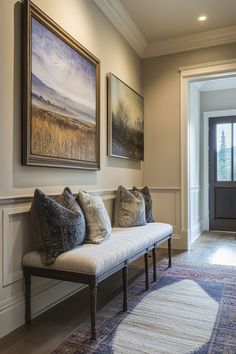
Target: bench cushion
{"x": 95, "y": 259}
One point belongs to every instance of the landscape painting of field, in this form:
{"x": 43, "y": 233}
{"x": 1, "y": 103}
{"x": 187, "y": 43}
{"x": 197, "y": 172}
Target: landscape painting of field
{"x": 126, "y": 118}
{"x": 63, "y": 99}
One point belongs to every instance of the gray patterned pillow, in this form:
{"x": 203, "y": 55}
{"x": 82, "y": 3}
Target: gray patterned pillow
{"x": 129, "y": 208}
{"x": 97, "y": 220}
{"x": 58, "y": 225}
{"x": 148, "y": 202}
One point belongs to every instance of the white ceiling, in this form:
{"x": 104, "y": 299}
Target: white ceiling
{"x": 216, "y": 84}
{"x": 162, "y": 19}
{"x": 157, "y": 27}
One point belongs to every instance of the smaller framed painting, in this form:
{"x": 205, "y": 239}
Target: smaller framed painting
{"x": 125, "y": 120}
{"x": 61, "y": 96}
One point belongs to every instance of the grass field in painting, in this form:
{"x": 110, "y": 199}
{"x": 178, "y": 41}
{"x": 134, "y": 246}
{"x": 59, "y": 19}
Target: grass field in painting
{"x": 57, "y": 135}
{"x": 126, "y": 141}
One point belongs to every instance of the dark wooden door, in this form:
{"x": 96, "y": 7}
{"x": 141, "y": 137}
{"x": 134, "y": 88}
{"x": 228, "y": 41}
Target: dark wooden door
{"x": 222, "y": 173}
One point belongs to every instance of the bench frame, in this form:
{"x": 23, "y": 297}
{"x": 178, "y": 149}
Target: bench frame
{"x": 94, "y": 280}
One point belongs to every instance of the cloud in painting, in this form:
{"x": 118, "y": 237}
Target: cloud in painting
{"x": 62, "y": 69}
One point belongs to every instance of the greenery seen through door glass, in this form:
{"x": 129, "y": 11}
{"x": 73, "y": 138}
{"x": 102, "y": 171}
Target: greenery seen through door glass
{"x": 223, "y": 147}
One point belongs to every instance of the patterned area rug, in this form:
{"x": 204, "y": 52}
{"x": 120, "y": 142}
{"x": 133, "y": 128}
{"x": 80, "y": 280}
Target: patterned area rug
{"x": 190, "y": 309}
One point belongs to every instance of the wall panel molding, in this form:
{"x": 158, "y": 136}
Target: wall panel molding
{"x": 196, "y": 223}
{"x": 43, "y": 299}
{"x": 166, "y": 208}
{"x": 15, "y": 232}
{"x": 9, "y": 276}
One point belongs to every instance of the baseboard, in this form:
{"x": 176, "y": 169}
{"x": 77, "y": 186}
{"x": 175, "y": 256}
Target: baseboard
{"x": 12, "y": 311}
{"x": 196, "y": 231}
{"x": 177, "y": 243}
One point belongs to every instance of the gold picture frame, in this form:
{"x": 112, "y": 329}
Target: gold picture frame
{"x": 125, "y": 120}
{"x": 61, "y": 96}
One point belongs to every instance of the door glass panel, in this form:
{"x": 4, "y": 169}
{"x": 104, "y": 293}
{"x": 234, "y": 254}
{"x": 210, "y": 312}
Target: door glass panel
{"x": 234, "y": 151}
{"x": 223, "y": 148}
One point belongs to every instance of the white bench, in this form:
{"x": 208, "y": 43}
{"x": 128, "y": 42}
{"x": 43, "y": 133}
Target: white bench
{"x": 90, "y": 263}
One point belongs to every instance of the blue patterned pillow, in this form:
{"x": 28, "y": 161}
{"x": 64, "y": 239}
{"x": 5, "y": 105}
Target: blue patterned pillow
{"x": 148, "y": 202}
{"x": 58, "y": 225}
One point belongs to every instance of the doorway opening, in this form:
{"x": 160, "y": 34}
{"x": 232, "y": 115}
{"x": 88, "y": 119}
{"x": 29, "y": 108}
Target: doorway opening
{"x": 194, "y": 163}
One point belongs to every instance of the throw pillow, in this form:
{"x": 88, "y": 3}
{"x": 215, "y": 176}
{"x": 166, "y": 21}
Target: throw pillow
{"x": 58, "y": 225}
{"x": 129, "y": 208}
{"x": 97, "y": 219}
{"x": 148, "y": 202}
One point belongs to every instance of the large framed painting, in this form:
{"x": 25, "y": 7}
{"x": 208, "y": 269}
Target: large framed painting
{"x": 125, "y": 120}
{"x": 61, "y": 96}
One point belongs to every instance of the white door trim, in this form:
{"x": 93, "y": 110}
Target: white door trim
{"x": 187, "y": 75}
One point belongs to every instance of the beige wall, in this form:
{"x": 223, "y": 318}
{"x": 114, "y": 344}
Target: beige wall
{"x": 162, "y": 112}
{"x": 86, "y": 23}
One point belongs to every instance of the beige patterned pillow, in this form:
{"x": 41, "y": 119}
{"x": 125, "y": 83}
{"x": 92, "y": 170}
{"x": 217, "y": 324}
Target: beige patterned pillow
{"x": 98, "y": 223}
{"x": 129, "y": 208}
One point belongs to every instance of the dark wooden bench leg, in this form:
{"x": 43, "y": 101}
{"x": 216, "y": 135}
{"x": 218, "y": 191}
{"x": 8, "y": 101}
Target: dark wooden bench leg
{"x": 154, "y": 261}
{"x": 125, "y": 288}
{"x": 93, "y": 308}
{"x": 169, "y": 252}
{"x": 27, "y": 277}
{"x": 146, "y": 270}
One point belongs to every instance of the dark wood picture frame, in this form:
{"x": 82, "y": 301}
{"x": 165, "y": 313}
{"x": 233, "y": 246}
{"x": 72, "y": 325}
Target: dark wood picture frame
{"x": 60, "y": 129}
{"x": 125, "y": 120}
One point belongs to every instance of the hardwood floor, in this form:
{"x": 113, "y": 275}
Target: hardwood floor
{"x": 213, "y": 248}
{"x": 48, "y": 330}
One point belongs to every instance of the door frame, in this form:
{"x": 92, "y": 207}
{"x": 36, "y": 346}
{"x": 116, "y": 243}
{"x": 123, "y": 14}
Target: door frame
{"x": 190, "y": 74}
{"x": 206, "y": 117}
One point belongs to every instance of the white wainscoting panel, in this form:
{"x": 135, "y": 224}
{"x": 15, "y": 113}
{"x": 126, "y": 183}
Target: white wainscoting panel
{"x": 196, "y": 223}
{"x": 16, "y": 242}
{"x": 166, "y": 208}
{"x": 1, "y": 248}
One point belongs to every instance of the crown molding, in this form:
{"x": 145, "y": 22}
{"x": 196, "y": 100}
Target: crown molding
{"x": 124, "y": 23}
{"x": 192, "y": 41}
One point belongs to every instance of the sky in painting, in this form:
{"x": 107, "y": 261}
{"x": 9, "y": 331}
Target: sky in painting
{"x": 133, "y": 101}
{"x": 61, "y": 68}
